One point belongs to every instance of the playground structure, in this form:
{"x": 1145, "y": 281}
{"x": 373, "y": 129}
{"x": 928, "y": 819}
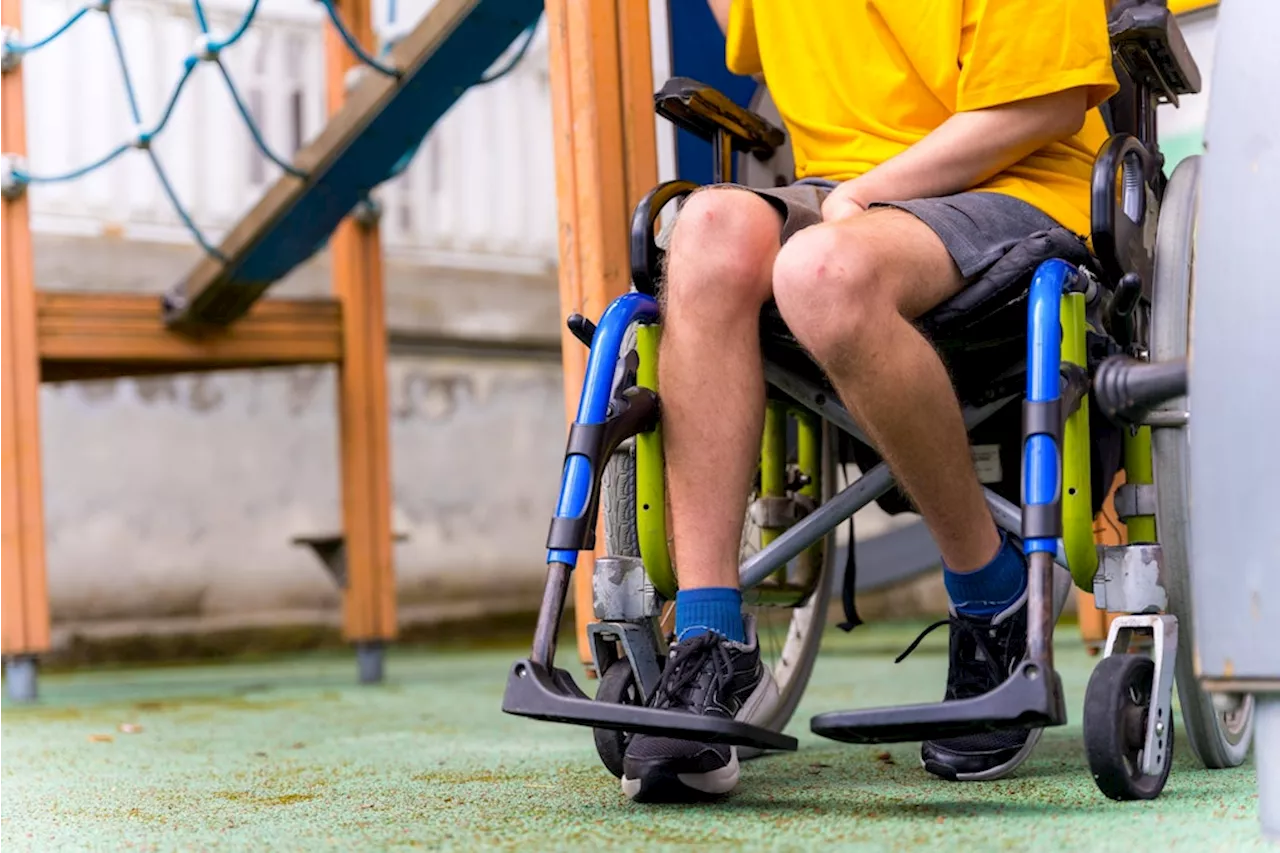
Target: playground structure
{"x": 214, "y": 320}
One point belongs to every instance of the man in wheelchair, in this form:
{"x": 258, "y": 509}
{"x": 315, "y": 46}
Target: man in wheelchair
{"x": 930, "y": 138}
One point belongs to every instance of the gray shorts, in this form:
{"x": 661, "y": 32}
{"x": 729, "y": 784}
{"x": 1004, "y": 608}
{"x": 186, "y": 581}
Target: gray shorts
{"x": 976, "y": 227}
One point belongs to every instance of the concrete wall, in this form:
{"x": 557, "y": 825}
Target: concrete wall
{"x": 171, "y": 501}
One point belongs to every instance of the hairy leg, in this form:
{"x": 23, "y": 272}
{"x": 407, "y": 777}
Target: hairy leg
{"x": 849, "y": 290}
{"x": 718, "y": 277}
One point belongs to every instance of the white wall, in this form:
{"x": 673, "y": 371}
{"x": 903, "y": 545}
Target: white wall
{"x": 479, "y": 195}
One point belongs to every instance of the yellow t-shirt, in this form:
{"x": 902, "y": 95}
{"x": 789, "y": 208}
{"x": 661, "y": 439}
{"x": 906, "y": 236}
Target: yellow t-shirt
{"x": 859, "y": 81}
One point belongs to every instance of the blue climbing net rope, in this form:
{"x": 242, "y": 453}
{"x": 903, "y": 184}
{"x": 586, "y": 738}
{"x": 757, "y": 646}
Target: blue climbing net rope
{"x": 208, "y": 48}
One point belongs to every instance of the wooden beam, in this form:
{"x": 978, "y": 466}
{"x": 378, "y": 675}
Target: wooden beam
{"x": 24, "y": 592}
{"x": 366, "y": 136}
{"x": 369, "y": 601}
{"x": 601, "y": 91}
{"x": 99, "y": 335}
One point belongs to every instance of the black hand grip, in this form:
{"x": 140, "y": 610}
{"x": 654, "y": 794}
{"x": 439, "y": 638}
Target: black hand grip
{"x": 646, "y": 257}
{"x": 1127, "y": 389}
{"x": 582, "y": 328}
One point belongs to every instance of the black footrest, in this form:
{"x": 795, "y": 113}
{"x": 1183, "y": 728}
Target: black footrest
{"x": 543, "y": 694}
{"x": 1031, "y": 698}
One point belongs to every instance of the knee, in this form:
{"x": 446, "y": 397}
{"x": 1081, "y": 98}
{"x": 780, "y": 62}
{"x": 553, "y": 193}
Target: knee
{"x": 828, "y": 287}
{"x": 722, "y": 251}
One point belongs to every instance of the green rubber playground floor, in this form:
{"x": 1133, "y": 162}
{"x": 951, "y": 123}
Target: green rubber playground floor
{"x": 289, "y": 754}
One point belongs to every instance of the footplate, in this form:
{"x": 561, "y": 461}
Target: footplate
{"x": 552, "y": 695}
{"x": 1030, "y": 698}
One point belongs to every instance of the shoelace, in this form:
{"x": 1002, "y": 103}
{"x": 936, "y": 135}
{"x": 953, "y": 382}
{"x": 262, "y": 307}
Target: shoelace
{"x": 686, "y": 664}
{"x": 970, "y": 678}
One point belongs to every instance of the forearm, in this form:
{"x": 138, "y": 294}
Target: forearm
{"x": 971, "y": 147}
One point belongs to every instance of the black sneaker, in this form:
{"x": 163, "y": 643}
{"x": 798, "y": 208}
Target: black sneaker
{"x": 706, "y": 675}
{"x": 984, "y": 652}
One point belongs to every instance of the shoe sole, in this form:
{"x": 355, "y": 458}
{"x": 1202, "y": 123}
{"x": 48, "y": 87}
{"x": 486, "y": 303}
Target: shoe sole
{"x": 662, "y": 786}
{"x": 1062, "y": 586}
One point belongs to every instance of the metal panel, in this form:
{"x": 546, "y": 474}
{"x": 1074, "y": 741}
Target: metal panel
{"x": 1235, "y": 461}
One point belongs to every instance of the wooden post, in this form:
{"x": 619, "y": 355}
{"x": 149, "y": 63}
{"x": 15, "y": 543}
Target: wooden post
{"x": 23, "y": 591}
{"x": 369, "y": 606}
{"x": 1108, "y": 529}
{"x": 601, "y": 95}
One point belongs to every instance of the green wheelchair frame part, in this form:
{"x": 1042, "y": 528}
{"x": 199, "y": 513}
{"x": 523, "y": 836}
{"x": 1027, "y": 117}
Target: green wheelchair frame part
{"x": 651, "y": 477}
{"x": 1077, "y": 498}
{"x": 651, "y": 517}
{"x": 1138, "y": 471}
{"x": 1077, "y": 493}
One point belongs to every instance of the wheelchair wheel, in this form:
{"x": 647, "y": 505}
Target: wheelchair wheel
{"x": 1220, "y": 728}
{"x": 617, "y": 686}
{"x": 788, "y": 636}
{"x": 1116, "y": 704}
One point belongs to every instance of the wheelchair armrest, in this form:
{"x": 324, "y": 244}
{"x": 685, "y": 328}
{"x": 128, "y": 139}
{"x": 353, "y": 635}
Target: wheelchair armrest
{"x": 1148, "y": 43}
{"x": 1119, "y": 220}
{"x": 646, "y": 256}
{"x": 705, "y": 112}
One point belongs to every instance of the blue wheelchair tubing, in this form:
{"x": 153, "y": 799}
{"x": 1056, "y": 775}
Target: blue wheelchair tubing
{"x": 1042, "y": 460}
{"x": 577, "y": 479}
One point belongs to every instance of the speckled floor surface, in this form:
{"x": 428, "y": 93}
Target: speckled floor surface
{"x": 289, "y": 754}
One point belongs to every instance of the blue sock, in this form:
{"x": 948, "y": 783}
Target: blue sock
{"x": 993, "y": 587}
{"x": 702, "y": 611}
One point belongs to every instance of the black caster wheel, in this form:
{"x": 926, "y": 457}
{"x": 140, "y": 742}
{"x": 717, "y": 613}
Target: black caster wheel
{"x": 618, "y": 687}
{"x": 1116, "y": 705}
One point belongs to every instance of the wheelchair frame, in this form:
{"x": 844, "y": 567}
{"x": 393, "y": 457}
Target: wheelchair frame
{"x": 1054, "y": 522}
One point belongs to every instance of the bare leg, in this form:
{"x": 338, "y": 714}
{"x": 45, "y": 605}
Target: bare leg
{"x": 848, "y": 291}
{"x": 711, "y": 376}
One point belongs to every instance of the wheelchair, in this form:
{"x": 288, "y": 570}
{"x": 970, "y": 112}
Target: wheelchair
{"x": 1071, "y": 361}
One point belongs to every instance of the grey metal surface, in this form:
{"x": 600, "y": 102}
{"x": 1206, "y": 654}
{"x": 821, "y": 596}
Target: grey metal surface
{"x": 640, "y": 645}
{"x": 779, "y": 513}
{"x": 20, "y": 677}
{"x": 816, "y": 525}
{"x": 621, "y": 591}
{"x": 1128, "y": 579}
{"x": 1163, "y": 630}
{"x": 1235, "y": 460}
{"x": 369, "y": 662}
{"x": 1135, "y": 499}
{"x": 1219, "y": 727}
{"x": 1268, "y": 734}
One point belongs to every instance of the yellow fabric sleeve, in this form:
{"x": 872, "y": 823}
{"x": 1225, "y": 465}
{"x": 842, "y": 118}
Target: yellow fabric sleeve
{"x": 741, "y": 51}
{"x": 1012, "y": 50}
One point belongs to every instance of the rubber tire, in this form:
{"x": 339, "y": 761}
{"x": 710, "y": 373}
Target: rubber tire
{"x": 617, "y": 687}
{"x": 1108, "y": 725}
{"x": 1217, "y": 742}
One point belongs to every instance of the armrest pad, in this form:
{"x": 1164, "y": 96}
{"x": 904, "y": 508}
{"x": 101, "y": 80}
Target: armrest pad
{"x": 1149, "y": 44}
{"x": 704, "y": 111}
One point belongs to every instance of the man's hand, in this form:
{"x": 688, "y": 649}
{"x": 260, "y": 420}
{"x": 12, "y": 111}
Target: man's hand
{"x": 842, "y": 203}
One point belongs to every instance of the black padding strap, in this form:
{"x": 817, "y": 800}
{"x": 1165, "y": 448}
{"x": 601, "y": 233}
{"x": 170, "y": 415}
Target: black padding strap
{"x": 1042, "y": 419}
{"x": 1042, "y": 521}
